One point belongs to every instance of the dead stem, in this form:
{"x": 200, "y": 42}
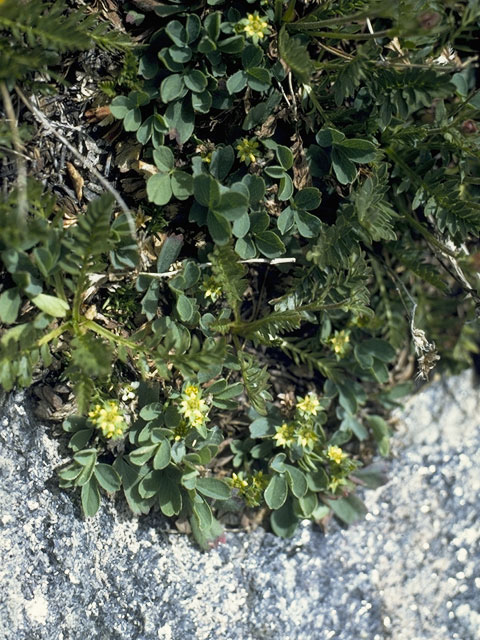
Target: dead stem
{"x": 86, "y": 163}
{"x": 22, "y": 202}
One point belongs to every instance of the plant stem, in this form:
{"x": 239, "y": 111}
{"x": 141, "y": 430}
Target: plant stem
{"x": 22, "y": 203}
{"x": 340, "y": 35}
{"x": 105, "y": 333}
{"x": 54, "y": 333}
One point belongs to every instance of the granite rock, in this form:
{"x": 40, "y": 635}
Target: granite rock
{"x": 409, "y": 571}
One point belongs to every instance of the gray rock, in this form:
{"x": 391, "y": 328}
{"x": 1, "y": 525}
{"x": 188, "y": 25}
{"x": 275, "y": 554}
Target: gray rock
{"x": 410, "y": 571}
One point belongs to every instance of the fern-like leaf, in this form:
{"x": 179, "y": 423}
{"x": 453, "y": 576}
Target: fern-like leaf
{"x": 229, "y": 273}
{"x": 256, "y": 381}
{"x": 89, "y": 238}
{"x": 295, "y": 55}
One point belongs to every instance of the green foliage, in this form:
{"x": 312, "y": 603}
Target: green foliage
{"x": 32, "y": 39}
{"x": 313, "y": 209}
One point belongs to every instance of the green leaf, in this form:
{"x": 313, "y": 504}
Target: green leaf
{"x": 196, "y": 81}
{"x": 373, "y": 476}
{"x": 90, "y": 498}
{"x": 132, "y": 120}
{"x": 206, "y": 190}
{"x": 80, "y": 439}
{"x": 308, "y": 226}
{"x": 50, "y": 304}
{"x": 219, "y": 228}
{"x": 202, "y": 102}
{"x": 163, "y": 158}
{"x": 278, "y": 463}
{"x": 222, "y": 162}
{"x": 120, "y": 106}
{"x": 252, "y": 56}
{"x": 213, "y": 488}
{"x": 285, "y": 188}
{"x": 181, "y": 118}
{"x": 284, "y": 521}
{"x": 262, "y": 428}
{"x": 169, "y": 495}
{"x": 381, "y": 433}
{"x": 10, "y": 301}
{"x": 142, "y": 455}
{"x": 258, "y": 78}
{"x": 308, "y": 503}
{"x": 276, "y": 491}
{"x": 162, "y": 456}
{"x": 296, "y": 480}
{"x": 169, "y": 252}
{"x": 285, "y": 220}
{"x": 234, "y": 44}
{"x": 343, "y": 167}
{"x": 182, "y": 184}
{"x": 358, "y": 150}
{"x": 185, "y": 308}
{"x": 193, "y": 27}
{"x": 107, "y": 477}
{"x": 270, "y": 244}
{"x": 349, "y": 509}
{"x": 308, "y": 198}
{"x": 241, "y": 226}
{"x": 148, "y": 485}
{"x": 159, "y": 189}
{"x": 245, "y": 247}
{"x": 295, "y": 55}
{"x": 347, "y": 398}
{"x": 285, "y": 157}
{"x": 177, "y": 32}
{"x": 172, "y": 87}
{"x": 232, "y": 205}
{"x": 237, "y": 82}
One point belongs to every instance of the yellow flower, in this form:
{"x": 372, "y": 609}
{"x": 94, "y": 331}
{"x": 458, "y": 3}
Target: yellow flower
{"x": 238, "y": 482}
{"x": 255, "y": 27}
{"x": 285, "y": 435}
{"x": 336, "y": 454}
{"x": 109, "y": 419}
{"x": 307, "y": 438}
{"x": 335, "y": 483}
{"x": 340, "y": 342}
{"x": 211, "y": 288}
{"x": 191, "y": 391}
{"x": 309, "y": 405}
{"x": 182, "y": 430}
{"x": 258, "y": 480}
{"x": 247, "y": 150}
{"x": 193, "y": 407}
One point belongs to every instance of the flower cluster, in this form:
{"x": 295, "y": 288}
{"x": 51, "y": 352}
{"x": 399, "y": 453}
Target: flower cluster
{"x": 247, "y": 150}
{"x": 336, "y": 454}
{"x": 301, "y": 430}
{"x": 341, "y": 465}
{"x": 130, "y": 391}
{"x": 211, "y": 289}
{"x": 254, "y": 26}
{"x": 250, "y": 487}
{"x": 290, "y": 433}
{"x": 192, "y": 406}
{"x": 309, "y": 405}
{"x": 340, "y": 342}
{"x": 109, "y": 419}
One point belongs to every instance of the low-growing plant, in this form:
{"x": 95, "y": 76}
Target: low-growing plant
{"x": 312, "y": 217}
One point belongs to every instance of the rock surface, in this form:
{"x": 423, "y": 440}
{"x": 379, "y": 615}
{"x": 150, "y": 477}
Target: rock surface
{"x": 410, "y": 571}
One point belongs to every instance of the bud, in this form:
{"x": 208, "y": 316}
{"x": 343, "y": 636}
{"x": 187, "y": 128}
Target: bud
{"x": 469, "y": 127}
{"x": 429, "y": 19}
